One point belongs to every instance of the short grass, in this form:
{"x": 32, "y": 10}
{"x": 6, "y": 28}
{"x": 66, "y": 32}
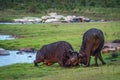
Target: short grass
{"x": 24, "y": 71}
{"x": 36, "y": 35}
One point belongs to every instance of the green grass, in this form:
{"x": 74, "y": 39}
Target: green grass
{"x": 36, "y": 35}
{"x": 24, "y": 71}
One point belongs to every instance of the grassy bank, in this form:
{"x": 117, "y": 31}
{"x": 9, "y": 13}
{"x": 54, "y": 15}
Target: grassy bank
{"x": 91, "y": 12}
{"x": 36, "y": 35}
{"x": 110, "y": 71}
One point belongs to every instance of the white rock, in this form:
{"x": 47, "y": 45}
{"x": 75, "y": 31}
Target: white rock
{"x": 51, "y": 20}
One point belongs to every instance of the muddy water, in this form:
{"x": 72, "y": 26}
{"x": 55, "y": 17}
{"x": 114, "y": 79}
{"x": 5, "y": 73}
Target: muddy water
{"x": 14, "y": 57}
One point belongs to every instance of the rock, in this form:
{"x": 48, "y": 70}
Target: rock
{"x": 105, "y": 50}
{"x": 110, "y": 47}
{"x": 3, "y": 52}
{"x": 114, "y": 55}
{"x": 113, "y": 60}
{"x": 29, "y": 56}
{"x": 69, "y": 18}
{"x": 105, "y": 47}
{"x": 30, "y": 49}
{"x": 19, "y": 52}
{"x": 52, "y": 21}
{"x": 116, "y": 41}
{"x": 118, "y": 48}
{"x": 108, "y": 50}
{"x": 28, "y": 20}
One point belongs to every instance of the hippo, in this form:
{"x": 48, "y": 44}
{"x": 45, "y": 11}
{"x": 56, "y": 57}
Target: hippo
{"x": 92, "y": 43}
{"x": 61, "y": 52}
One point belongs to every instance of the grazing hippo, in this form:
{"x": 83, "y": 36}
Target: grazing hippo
{"x": 93, "y": 41}
{"x": 61, "y": 52}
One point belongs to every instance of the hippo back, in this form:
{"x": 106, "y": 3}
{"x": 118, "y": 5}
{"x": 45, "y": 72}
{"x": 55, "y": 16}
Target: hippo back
{"x": 94, "y": 39}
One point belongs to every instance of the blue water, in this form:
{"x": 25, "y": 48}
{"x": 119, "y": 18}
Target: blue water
{"x": 6, "y": 37}
{"x": 14, "y": 57}
{"x": 9, "y": 23}
{"x": 17, "y": 58}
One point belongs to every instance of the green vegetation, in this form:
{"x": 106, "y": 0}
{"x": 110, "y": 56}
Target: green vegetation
{"x": 37, "y": 35}
{"x": 35, "y": 5}
{"x": 94, "y": 9}
{"x": 91, "y": 12}
{"x": 110, "y": 71}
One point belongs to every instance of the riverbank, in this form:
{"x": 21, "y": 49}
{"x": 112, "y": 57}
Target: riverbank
{"x": 16, "y": 57}
{"x": 37, "y": 35}
{"x": 109, "y": 14}
{"x": 27, "y": 71}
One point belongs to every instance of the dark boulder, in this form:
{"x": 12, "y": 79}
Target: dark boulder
{"x": 116, "y": 41}
{"x": 114, "y": 55}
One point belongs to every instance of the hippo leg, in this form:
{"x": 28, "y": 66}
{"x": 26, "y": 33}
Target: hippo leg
{"x": 88, "y": 60}
{"x": 96, "y": 56}
{"x": 101, "y": 59}
{"x": 61, "y": 63}
{"x": 36, "y": 62}
{"x": 48, "y": 62}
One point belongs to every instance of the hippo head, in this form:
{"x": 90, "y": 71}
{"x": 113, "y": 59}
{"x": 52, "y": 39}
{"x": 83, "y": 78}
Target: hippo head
{"x": 82, "y": 59}
{"x": 73, "y": 59}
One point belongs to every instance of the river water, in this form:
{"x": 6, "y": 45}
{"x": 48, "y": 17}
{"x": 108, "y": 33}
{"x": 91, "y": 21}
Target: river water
{"x": 14, "y": 57}
{"x": 17, "y": 58}
{"x": 6, "y": 37}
